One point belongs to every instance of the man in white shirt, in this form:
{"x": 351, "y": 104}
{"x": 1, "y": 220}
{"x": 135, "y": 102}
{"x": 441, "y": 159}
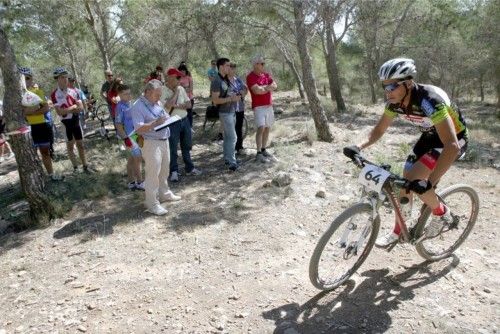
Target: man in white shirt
{"x": 176, "y": 102}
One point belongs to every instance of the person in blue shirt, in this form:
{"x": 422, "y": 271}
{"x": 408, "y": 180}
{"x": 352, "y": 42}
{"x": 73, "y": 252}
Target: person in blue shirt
{"x": 125, "y": 129}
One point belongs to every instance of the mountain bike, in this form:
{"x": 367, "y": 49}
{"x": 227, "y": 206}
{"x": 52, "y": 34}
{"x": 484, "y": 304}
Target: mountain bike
{"x": 97, "y": 111}
{"x": 347, "y": 242}
{"x": 101, "y": 113}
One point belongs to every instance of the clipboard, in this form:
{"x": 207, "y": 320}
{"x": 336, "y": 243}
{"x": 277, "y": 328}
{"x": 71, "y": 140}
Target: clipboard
{"x": 170, "y": 120}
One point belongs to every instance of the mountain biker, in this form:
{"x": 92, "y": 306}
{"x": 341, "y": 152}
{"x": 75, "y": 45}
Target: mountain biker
{"x": 444, "y": 138}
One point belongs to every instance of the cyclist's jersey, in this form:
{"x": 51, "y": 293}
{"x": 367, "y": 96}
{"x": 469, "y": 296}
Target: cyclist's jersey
{"x": 65, "y": 99}
{"x": 39, "y": 118}
{"x": 429, "y": 105}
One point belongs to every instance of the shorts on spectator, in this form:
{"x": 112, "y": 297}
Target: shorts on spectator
{"x": 73, "y": 129}
{"x": 135, "y": 151}
{"x": 264, "y": 116}
{"x": 41, "y": 134}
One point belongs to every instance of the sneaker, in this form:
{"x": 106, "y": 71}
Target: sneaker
{"x": 241, "y": 151}
{"x": 261, "y": 158}
{"x": 10, "y": 156}
{"x": 140, "y": 186}
{"x": 227, "y": 163}
{"x": 174, "y": 177}
{"x": 194, "y": 172}
{"x": 131, "y": 185}
{"x": 234, "y": 168}
{"x": 157, "y": 210}
{"x": 269, "y": 156}
{"x": 86, "y": 169}
{"x": 55, "y": 177}
{"x": 386, "y": 240}
{"x": 169, "y": 197}
{"x": 438, "y": 223}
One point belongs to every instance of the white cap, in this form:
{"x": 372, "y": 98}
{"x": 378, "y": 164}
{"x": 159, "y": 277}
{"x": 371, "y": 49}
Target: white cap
{"x": 258, "y": 59}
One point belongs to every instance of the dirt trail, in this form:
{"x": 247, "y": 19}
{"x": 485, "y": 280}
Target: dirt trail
{"x": 232, "y": 256}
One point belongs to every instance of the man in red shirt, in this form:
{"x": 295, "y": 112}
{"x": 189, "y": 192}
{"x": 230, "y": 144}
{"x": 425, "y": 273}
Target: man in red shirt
{"x": 261, "y": 84}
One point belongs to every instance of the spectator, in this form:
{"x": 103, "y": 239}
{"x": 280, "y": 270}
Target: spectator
{"x": 83, "y": 97}
{"x": 226, "y": 99}
{"x": 68, "y": 105}
{"x": 125, "y": 129}
{"x": 159, "y": 73}
{"x": 5, "y": 148}
{"x": 39, "y": 118}
{"x": 105, "y": 87}
{"x": 261, "y": 84}
{"x": 176, "y": 101}
{"x": 239, "y": 88}
{"x": 113, "y": 97}
{"x": 146, "y": 115}
{"x": 212, "y": 74}
{"x": 153, "y": 76}
{"x": 186, "y": 81}
{"x": 212, "y": 71}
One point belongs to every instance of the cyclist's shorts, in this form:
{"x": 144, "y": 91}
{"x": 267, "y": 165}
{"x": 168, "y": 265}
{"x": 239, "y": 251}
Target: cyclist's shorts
{"x": 41, "y": 134}
{"x": 428, "y": 149}
{"x": 73, "y": 129}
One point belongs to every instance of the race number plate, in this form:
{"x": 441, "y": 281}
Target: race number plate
{"x": 373, "y": 178}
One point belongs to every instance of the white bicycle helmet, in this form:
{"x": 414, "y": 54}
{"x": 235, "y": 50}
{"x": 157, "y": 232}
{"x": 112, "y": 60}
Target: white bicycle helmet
{"x": 59, "y": 71}
{"x": 25, "y": 71}
{"x": 397, "y": 68}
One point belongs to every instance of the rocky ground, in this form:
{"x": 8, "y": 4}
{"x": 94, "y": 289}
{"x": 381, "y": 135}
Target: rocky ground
{"x": 233, "y": 255}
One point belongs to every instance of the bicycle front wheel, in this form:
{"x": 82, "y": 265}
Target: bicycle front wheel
{"x": 102, "y": 112}
{"x": 344, "y": 247}
{"x": 463, "y": 203}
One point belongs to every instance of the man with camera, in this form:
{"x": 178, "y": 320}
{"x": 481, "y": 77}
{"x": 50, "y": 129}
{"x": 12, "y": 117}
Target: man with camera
{"x": 225, "y": 98}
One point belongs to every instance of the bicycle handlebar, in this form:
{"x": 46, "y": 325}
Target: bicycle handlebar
{"x": 360, "y": 162}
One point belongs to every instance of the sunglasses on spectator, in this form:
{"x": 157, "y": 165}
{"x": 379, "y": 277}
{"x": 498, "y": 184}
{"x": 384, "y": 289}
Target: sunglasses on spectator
{"x": 110, "y": 75}
{"x": 392, "y": 86}
{"x": 262, "y": 64}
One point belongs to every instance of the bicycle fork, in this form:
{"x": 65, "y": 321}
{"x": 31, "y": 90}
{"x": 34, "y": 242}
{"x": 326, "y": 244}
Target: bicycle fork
{"x": 352, "y": 248}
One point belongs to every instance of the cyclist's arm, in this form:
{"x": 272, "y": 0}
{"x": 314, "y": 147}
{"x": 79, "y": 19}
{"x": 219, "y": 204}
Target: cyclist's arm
{"x": 36, "y": 110}
{"x": 451, "y": 148}
{"x": 121, "y": 130}
{"x": 378, "y": 131}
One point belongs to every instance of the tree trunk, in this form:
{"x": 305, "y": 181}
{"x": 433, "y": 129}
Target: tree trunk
{"x": 101, "y": 41}
{"x": 298, "y": 80}
{"x": 29, "y": 165}
{"x": 328, "y": 14}
{"x": 371, "y": 82}
{"x": 73, "y": 63}
{"x": 481, "y": 87}
{"x": 334, "y": 78}
{"x": 318, "y": 114}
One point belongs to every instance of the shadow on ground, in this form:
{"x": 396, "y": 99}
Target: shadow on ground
{"x": 362, "y": 308}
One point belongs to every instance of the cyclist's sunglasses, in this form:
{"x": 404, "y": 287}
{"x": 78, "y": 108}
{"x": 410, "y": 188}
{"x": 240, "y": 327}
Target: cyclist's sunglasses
{"x": 392, "y": 86}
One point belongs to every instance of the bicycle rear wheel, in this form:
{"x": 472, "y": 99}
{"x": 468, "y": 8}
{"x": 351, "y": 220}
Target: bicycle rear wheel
{"x": 344, "y": 247}
{"x": 463, "y": 202}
